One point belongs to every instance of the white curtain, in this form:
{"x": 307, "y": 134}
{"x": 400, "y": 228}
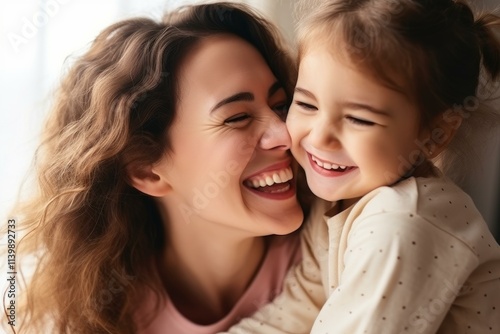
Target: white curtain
{"x": 38, "y": 35}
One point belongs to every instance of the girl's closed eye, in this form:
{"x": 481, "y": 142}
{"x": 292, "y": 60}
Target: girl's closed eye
{"x": 305, "y": 106}
{"x": 359, "y": 121}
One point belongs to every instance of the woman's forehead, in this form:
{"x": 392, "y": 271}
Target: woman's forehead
{"x": 222, "y": 63}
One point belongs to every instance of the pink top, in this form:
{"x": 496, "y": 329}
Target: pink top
{"x": 283, "y": 252}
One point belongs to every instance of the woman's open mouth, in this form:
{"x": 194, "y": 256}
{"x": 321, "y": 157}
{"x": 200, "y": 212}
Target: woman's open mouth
{"x": 276, "y": 184}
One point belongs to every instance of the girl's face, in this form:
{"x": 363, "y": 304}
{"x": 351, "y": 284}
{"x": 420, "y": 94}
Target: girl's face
{"x": 350, "y": 133}
{"x": 230, "y": 162}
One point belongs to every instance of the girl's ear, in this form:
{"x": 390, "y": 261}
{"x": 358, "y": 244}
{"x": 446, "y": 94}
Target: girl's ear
{"x": 441, "y": 131}
{"x": 149, "y": 180}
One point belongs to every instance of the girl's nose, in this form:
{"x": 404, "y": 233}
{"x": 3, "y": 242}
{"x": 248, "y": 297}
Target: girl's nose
{"x": 323, "y": 135}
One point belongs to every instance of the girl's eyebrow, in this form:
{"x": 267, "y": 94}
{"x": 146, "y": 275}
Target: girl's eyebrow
{"x": 305, "y": 92}
{"x": 364, "y": 106}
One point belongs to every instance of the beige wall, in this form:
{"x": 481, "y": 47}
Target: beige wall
{"x": 484, "y": 185}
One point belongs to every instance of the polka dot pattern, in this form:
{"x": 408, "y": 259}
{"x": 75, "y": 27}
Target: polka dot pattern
{"x": 413, "y": 258}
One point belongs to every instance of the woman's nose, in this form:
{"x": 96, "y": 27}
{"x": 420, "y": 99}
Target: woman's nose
{"x": 275, "y": 135}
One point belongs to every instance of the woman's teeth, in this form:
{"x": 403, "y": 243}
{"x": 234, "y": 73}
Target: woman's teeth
{"x": 328, "y": 166}
{"x": 270, "y": 178}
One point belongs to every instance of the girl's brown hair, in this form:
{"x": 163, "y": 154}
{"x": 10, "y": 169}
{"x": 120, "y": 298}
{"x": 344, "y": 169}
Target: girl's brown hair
{"x": 430, "y": 50}
{"x": 92, "y": 234}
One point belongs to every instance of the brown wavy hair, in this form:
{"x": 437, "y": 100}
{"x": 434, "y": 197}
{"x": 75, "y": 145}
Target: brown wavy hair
{"x": 92, "y": 234}
{"x": 442, "y": 54}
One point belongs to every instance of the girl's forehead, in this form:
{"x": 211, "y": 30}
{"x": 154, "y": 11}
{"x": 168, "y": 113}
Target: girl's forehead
{"x": 377, "y": 71}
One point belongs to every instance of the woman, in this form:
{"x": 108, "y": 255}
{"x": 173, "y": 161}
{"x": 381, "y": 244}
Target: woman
{"x": 164, "y": 164}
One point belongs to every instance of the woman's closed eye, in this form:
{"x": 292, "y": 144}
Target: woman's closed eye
{"x": 359, "y": 121}
{"x": 238, "y": 119}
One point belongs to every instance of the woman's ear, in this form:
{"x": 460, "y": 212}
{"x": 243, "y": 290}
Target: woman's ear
{"x": 440, "y": 132}
{"x": 149, "y": 180}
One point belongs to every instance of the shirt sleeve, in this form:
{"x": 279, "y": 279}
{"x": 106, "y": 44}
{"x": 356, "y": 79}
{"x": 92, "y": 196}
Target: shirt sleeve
{"x": 295, "y": 309}
{"x": 400, "y": 275}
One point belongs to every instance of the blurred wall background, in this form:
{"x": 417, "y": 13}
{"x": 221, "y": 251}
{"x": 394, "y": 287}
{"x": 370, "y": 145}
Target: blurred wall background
{"x": 484, "y": 185}
{"x": 36, "y": 36}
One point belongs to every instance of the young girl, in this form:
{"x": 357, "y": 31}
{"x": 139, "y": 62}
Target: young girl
{"x": 384, "y": 89}
{"x": 164, "y": 169}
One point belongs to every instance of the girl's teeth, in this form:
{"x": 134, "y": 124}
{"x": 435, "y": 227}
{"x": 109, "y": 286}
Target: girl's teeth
{"x": 327, "y": 165}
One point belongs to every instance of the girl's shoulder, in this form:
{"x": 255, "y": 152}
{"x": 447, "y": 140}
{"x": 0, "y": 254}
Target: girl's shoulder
{"x": 426, "y": 205}
{"x": 418, "y": 195}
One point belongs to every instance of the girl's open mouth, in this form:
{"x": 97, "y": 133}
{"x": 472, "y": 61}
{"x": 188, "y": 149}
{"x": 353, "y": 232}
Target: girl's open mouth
{"x": 328, "y": 168}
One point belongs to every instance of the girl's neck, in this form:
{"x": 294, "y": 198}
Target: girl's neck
{"x": 206, "y": 268}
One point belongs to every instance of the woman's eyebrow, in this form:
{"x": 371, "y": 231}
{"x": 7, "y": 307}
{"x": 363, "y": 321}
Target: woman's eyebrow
{"x": 245, "y": 96}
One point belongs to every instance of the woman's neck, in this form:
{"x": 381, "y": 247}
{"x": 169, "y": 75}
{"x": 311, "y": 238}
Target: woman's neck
{"x": 207, "y": 267}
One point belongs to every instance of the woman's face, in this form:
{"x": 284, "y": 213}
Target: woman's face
{"x": 230, "y": 162}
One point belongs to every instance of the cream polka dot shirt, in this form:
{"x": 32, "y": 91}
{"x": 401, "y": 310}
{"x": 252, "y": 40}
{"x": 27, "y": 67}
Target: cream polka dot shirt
{"x": 416, "y": 257}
